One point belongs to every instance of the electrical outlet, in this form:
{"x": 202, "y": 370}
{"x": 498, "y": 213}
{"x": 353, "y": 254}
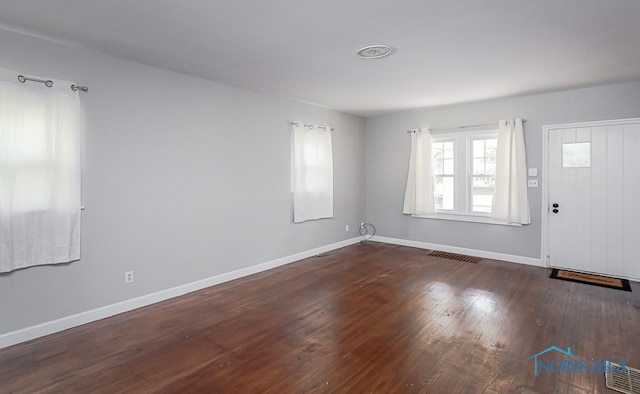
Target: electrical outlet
{"x": 128, "y": 277}
{"x": 346, "y": 228}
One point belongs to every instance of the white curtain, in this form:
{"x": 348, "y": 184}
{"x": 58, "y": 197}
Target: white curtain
{"x": 39, "y": 173}
{"x": 418, "y": 195}
{"x": 312, "y": 172}
{"x": 510, "y": 201}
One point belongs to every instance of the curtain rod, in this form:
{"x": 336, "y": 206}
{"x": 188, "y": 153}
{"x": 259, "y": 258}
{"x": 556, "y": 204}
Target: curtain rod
{"x": 311, "y": 126}
{"x": 459, "y": 127}
{"x": 49, "y": 83}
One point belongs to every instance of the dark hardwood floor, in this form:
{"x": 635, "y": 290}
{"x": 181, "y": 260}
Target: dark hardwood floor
{"x": 367, "y": 318}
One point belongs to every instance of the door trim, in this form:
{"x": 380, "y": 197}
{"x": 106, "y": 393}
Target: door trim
{"x": 544, "y": 253}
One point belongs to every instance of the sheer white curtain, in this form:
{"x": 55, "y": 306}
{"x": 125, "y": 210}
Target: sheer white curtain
{"x": 510, "y": 200}
{"x": 39, "y": 173}
{"x": 418, "y": 195}
{"x": 312, "y": 172}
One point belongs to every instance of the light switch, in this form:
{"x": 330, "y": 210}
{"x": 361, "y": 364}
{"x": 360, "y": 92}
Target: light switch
{"x": 533, "y": 183}
{"x": 533, "y": 172}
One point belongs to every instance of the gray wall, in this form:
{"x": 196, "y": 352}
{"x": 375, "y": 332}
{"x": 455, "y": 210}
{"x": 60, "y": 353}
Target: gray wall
{"x": 183, "y": 179}
{"x": 388, "y": 160}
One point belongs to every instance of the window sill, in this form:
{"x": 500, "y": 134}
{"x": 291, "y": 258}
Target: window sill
{"x": 466, "y": 218}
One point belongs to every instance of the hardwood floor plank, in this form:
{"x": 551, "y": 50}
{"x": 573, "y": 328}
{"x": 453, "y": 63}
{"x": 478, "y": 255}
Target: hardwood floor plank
{"x": 366, "y": 318}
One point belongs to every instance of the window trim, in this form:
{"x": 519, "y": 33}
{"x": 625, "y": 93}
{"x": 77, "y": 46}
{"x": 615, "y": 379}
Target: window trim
{"x": 465, "y": 218}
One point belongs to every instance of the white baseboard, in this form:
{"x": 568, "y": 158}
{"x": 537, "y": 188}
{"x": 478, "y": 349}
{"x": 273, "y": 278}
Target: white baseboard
{"x": 51, "y": 327}
{"x": 469, "y": 252}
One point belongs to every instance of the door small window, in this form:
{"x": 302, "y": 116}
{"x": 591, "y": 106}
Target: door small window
{"x": 576, "y": 155}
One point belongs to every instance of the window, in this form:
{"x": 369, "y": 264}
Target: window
{"x": 478, "y": 176}
{"x": 483, "y": 173}
{"x": 576, "y": 155}
{"x": 39, "y": 173}
{"x": 312, "y": 180}
{"x": 29, "y": 158}
{"x": 464, "y": 171}
{"x": 443, "y": 174}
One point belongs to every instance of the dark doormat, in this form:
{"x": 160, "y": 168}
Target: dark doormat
{"x": 455, "y": 256}
{"x": 591, "y": 279}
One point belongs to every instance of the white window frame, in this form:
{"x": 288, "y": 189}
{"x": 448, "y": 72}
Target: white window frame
{"x": 488, "y": 135}
{"x": 453, "y": 175}
{"x": 463, "y": 177}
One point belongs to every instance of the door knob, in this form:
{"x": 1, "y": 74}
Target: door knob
{"x": 555, "y": 210}
{"x": 555, "y": 205}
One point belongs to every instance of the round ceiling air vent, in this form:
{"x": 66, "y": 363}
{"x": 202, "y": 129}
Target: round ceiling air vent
{"x": 374, "y": 51}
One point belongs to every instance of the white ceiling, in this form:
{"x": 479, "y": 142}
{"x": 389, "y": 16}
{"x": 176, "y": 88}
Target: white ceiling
{"x": 446, "y": 51}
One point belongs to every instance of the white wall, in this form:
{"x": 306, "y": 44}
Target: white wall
{"x": 183, "y": 179}
{"x": 388, "y": 160}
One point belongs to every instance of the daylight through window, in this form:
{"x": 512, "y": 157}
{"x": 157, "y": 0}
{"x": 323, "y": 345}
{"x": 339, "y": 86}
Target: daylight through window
{"x": 464, "y": 171}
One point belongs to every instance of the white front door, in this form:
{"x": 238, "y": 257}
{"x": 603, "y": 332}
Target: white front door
{"x": 594, "y": 197}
